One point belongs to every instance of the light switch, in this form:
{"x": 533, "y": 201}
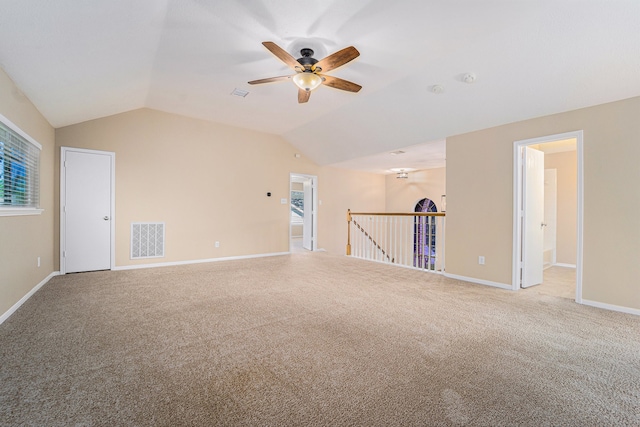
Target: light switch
{"x": 283, "y": 201}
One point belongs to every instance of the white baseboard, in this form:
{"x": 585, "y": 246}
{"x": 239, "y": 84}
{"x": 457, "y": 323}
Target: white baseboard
{"x": 409, "y": 267}
{"x": 17, "y": 305}
{"x": 478, "y": 281}
{"x": 611, "y": 307}
{"x": 562, "y": 264}
{"x": 197, "y": 261}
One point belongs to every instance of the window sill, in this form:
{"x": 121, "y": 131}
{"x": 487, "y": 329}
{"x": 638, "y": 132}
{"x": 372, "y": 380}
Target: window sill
{"x": 20, "y": 211}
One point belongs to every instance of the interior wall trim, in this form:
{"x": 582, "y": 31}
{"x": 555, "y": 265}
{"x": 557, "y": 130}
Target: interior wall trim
{"x": 197, "y": 261}
{"x": 17, "y": 305}
{"x": 478, "y": 281}
{"x": 562, "y": 264}
{"x": 611, "y": 307}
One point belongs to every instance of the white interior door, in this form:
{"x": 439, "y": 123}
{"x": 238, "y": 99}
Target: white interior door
{"x": 307, "y": 219}
{"x": 533, "y": 217}
{"x": 86, "y": 210}
{"x": 550, "y": 215}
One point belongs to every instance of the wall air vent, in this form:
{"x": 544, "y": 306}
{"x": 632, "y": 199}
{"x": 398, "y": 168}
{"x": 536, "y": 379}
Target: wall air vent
{"x": 147, "y": 240}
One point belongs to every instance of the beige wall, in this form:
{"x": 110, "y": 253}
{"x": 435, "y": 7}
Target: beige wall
{"x": 25, "y": 238}
{"x": 341, "y": 190}
{"x": 480, "y": 193}
{"x": 297, "y": 230}
{"x": 566, "y": 165}
{"x": 208, "y": 182}
{"x": 403, "y": 194}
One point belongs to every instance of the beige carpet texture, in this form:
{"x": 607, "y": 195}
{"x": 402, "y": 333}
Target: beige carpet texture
{"x": 311, "y": 339}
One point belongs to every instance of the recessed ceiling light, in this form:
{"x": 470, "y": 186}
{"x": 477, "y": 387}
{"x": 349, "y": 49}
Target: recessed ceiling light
{"x": 240, "y": 92}
{"x": 437, "y": 89}
{"x": 395, "y": 153}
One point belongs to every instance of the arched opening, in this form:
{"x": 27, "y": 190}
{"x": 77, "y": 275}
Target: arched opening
{"x": 424, "y": 235}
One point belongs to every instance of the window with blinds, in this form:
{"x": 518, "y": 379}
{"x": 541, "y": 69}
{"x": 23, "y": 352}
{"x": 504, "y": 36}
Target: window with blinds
{"x": 19, "y": 169}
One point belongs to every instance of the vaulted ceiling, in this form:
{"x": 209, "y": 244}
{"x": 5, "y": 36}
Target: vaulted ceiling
{"x": 80, "y": 60}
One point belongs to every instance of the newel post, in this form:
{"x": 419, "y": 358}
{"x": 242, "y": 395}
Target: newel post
{"x": 348, "y": 231}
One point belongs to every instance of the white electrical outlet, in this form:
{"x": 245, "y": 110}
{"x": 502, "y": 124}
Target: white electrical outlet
{"x": 283, "y": 201}
{"x": 481, "y": 260}
{"x": 217, "y": 244}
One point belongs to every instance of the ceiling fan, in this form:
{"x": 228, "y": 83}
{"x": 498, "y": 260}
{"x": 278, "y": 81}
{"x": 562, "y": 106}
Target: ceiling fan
{"x": 308, "y": 70}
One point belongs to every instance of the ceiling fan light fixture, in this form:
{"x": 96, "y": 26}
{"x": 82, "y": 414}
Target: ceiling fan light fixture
{"x": 307, "y": 80}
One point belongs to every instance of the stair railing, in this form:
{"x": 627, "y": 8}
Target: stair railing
{"x": 372, "y": 241}
{"x": 413, "y": 240}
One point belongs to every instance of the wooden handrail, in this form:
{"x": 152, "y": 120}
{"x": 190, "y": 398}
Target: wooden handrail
{"x": 396, "y": 214}
{"x": 350, "y": 218}
{"x": 395, "y": 231}
{"x": 372, "y": 240}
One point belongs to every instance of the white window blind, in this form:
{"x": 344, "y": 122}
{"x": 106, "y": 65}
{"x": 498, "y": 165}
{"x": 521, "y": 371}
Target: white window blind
{"x": 19, "y": 168}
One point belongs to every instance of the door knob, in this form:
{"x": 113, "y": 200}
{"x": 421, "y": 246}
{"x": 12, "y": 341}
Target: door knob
{"x": 106, "y": 218}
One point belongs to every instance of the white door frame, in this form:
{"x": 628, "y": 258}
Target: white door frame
{"x": 63, "y": 152}
{"x": 314, "y": 210}
{"x": 517, "y": 200}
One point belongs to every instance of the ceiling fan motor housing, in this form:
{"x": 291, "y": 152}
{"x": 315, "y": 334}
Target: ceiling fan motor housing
{"x": 307, "y": 59}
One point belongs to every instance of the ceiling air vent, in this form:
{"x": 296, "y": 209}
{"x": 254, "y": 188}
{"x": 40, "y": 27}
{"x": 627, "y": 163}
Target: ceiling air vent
{"x": 240, "y": 92}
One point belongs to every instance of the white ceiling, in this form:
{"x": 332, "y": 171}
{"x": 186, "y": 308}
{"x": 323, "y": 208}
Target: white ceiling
{"x": 427, "y": 155}
{"x": 80, "y": 60}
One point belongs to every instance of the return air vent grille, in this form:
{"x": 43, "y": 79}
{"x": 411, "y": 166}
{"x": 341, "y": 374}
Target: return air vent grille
{"x": 147, "y": 240}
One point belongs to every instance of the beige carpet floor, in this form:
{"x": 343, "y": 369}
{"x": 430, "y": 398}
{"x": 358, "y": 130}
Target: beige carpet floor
{"x": 311, "y": 339}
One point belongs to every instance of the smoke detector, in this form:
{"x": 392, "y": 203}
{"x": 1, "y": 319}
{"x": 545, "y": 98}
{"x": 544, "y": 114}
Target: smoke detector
{"x": 469, "y": 78}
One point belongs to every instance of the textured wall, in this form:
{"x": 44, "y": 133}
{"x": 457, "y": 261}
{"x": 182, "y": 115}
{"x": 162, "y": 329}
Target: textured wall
{"x": 209, "y": 182}
{"x": 480, "y": 199}
{"x": 403, "y": 194}
{"x": 25, "y": 238}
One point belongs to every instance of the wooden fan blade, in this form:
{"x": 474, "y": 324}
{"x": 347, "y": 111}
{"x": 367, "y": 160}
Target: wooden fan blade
{"x": 269, "y": 80}
{"x": 303, "y": 96}
{"x": 339, "y": 83}
{"x": 282, "y": 55}
{"x": 337, "y": 59}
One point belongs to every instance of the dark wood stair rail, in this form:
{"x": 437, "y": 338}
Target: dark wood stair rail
{"x": 371, "y": 239}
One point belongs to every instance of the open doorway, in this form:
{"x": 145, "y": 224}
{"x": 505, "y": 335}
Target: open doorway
{"x": 548, "y": 188}
{"x": 303, "y": 223}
